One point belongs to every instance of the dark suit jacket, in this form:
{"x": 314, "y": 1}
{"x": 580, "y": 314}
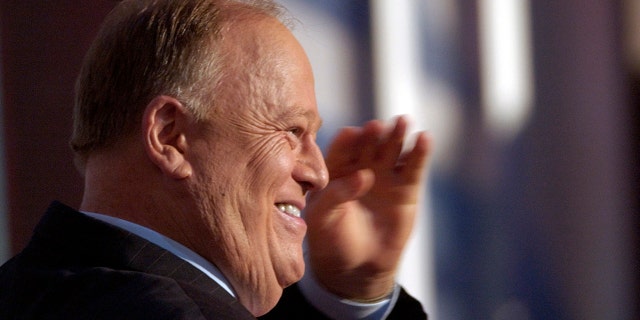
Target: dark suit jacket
{"x": 76, "y": 267}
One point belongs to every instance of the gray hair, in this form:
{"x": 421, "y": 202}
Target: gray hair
{"x": 147, "y": 48}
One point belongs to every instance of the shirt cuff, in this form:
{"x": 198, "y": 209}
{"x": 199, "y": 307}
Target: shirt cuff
{"x": 343, "y": 309}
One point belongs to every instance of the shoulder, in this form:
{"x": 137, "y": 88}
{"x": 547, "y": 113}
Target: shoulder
{"x": 102, "y": 293}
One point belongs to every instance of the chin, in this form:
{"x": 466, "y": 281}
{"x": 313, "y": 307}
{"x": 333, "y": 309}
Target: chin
{"x": 262, "y": 306}
{"x": 294, "y": 274}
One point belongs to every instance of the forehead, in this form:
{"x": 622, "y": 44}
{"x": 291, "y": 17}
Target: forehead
{"x": 262, "y": 40}
{"x": 266, "y": 66}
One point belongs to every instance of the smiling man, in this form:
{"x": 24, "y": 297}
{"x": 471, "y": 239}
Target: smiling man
{"x": 195, "y": 127}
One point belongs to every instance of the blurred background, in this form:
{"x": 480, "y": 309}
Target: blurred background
{"x": 531, "y": 208}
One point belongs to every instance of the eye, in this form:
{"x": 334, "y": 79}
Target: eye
{"x": 296, "y": 131}
{"x": 293, "y": 136}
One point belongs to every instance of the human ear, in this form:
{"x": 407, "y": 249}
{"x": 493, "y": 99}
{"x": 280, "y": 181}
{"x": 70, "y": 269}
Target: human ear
{"x": 164, "y": 124}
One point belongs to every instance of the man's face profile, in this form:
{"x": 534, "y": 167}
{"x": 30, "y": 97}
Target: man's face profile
{"x": 255, "y": 160}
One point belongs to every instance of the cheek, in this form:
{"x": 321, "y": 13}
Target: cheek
{"x": 286, "y": 253}
{"x": 270, "y": 165}
{"x": 268, "y": 169}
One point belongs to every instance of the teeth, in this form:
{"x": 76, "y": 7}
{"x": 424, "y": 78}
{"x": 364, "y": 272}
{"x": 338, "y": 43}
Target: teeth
{"x": 289, "y": 209}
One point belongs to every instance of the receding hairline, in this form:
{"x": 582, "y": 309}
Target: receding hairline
{"x": 234, "y": 11}
{"x": 90, "y": 138}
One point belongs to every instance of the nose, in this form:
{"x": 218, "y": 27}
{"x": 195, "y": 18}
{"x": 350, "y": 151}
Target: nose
{"x": 311, "y": 171}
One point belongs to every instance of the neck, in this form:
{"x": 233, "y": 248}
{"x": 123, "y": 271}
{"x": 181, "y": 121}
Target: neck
{"x": 119, "y": 184}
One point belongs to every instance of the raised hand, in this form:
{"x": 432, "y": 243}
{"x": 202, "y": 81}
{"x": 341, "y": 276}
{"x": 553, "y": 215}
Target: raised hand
{"x": 360, "y": 223}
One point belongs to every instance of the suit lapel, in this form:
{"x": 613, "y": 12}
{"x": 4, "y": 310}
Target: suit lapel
{"x": 153, "y": 259}
{"x": 90, "y": 241}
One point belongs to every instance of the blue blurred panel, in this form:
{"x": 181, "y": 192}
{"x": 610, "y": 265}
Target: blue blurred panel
{"x": 491, "y": 261}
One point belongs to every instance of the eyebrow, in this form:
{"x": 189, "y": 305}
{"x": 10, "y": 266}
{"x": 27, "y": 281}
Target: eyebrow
{"x": 315, "y": 122}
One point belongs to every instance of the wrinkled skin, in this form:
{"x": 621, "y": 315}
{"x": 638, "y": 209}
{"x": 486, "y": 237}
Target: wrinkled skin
{"x": 258, "y": 150}
{"x": 358, "y": 225}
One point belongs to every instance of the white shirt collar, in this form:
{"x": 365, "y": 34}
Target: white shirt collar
{"x": 170, "y": 245}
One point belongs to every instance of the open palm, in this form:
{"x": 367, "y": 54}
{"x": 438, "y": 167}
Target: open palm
{"x": 360, "y": 223}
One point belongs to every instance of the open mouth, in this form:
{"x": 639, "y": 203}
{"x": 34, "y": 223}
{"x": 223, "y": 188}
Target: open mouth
{"x": 289, "y": 209}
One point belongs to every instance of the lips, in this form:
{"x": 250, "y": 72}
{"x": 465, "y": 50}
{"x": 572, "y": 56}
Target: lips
{"x": 289, "y": 209}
